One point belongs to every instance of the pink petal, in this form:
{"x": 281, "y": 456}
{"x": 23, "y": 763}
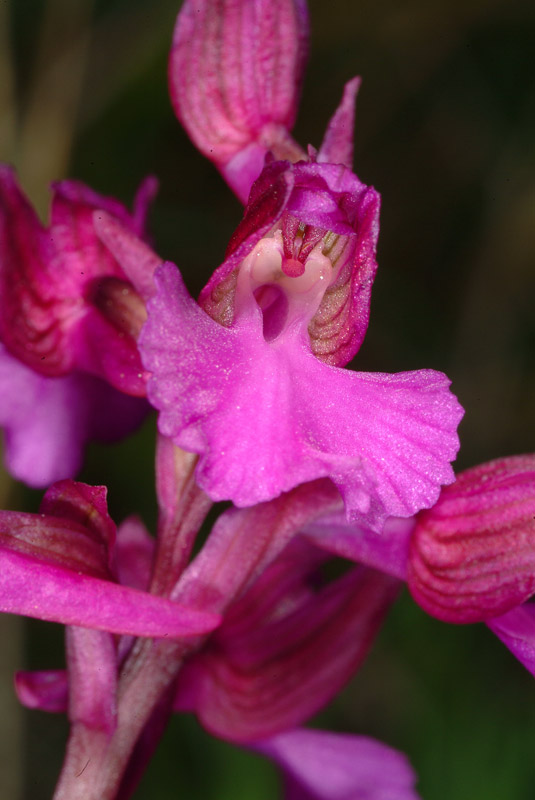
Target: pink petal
{"x": 36, "y": 588}
{"x": 472, "y": 555}
{"x": 57, "y": 541}
{"x": 284, "y": 649}
{"x": 338, "y": 328}
{"x": 235, "y": 71}
{"x": 516, "y": 629}
{"x": 334, "y": 766}
{"x": 104, "y": 334}
{"x": 138, "y": 262}
{"x": 48, "y": 421}
{"x": 46, "y": 690}
{"x": 83, "y": 505}
{"x": 143, "y": 200}
{"x": 337, "y": 146}
{"x": 32, "y": 314}
{"x": 106, "y": 351}
{"x": 56, "y": 312}
{"x": 267, "y": 416}
{"x": 73, "y": 204}
{"x": 387, "y": 551}
{"x": 82, "y": 255}
{"x": 135, "y": 551}
{"x": 269, "y": 197}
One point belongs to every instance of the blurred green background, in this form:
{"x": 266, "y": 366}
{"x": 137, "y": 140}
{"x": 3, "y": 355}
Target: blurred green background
{"x": 445, "y": 131}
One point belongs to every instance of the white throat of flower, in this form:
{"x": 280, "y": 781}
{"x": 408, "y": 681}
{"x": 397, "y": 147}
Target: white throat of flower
{"x": 287, "y": 291}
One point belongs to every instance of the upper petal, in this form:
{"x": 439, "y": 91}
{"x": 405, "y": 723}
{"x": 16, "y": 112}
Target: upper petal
{"x": 337, "y": 145}
{"x": 52, "y": 299}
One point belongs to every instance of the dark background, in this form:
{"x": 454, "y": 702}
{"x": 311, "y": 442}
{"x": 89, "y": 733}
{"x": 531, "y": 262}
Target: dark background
{"x": 445, "y": 131}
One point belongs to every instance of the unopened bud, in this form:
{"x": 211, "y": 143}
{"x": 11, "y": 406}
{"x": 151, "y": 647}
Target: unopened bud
{"x": 472, "y": 555}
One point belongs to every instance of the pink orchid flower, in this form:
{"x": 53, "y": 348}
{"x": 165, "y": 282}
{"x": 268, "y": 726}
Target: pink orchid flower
{"x": 472, "y": 555}
{"x": 469, "y": 558}
{"x": 61, "y": 565}
{"x": 68, "y": 329}
{"x": 255, "y": 387}
{"x": 288, "y": 642}
{"x": 250, "y": 378}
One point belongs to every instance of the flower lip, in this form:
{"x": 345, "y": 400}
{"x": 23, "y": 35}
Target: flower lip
{"x": 250, "y": 409}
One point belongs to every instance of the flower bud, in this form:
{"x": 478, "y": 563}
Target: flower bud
{"x": 235, "y": 73}
{"x": 472, "y": 555}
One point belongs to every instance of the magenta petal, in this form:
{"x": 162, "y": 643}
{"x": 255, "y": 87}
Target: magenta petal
{"x": 269, "y": 197}
{"x": 46, "y": 690}
{"x": 48, "y": 421}
{"x": 387, "y": 550}
{"x": 516, "y": 629}
{"x": 83, "y": 505}
{"x": 82, "y": 255}
{"x": 284, "y": 650}
{"x": 267, "y": 416}
{"x": 333, "y": 766}
{"x": 235, "y": 71}
{"x": 46, "y": 591}
{"x": 472, "y": 556}
{"x": 105, "y": 351}
{"x": 32, "y": 315}
{"x": 45, "y": 423}
{"x": 147, "y": 191}
{"x": 135, "y": 551}
{"x": 73, "y": 204}
{"x": 136, "y": 259}
{"x": 337, "y": 146}
{"x": 82, "y": 272}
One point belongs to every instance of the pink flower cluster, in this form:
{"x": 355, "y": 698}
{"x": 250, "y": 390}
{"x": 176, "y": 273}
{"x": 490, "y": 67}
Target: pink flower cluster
{"x": 254, "y": 407}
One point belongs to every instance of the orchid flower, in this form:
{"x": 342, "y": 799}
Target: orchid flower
{"x": 469, "y": 558}
{"x": 255, "y": 387}
{"x": 68, "y": 330}
{"x": 287, "y": 644}
{"x": 250, "y": 378}
{"x": 472, "y": 555}
{"x": 61, "y": 565}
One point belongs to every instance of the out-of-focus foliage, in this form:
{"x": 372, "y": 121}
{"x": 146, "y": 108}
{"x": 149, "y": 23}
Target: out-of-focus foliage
{"x": 445, "y": 131}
